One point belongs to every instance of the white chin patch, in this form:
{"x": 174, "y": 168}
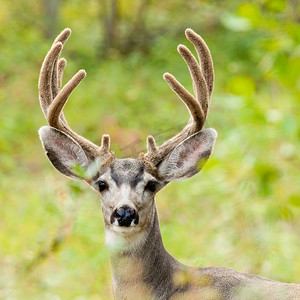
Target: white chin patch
{"x": 120, "y": 238}
{"x": 124, "y": 229}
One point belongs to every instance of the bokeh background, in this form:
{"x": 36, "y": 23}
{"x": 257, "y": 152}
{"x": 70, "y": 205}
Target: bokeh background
{"x": 242, "y": 211}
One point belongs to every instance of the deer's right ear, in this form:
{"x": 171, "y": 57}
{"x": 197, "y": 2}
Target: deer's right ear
{"x": 65, "y": 154}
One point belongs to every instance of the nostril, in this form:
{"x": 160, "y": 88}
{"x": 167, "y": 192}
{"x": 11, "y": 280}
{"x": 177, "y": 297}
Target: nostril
{"x": 120, "y": 213}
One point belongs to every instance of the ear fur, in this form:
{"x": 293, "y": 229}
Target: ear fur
{"x": 63, "y": 151}
{"x": 189, "y": 156}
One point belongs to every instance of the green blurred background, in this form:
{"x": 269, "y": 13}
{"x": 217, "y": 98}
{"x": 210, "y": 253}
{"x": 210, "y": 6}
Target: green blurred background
{"x": 242, "y": 211}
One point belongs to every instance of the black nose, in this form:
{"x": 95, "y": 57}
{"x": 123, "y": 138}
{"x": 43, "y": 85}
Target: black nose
{"x": 125, "y": 215}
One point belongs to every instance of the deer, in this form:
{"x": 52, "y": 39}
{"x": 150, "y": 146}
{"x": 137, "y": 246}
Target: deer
{"x": 141, "y": 267}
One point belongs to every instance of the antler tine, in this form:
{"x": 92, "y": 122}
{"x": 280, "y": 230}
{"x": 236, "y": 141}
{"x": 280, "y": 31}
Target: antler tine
{"x": 151, "y": 146}
{"x": 199, "y": 84}
{"x": 60, "y": 100}
{"x": 45, "y": 91}
{"x": 187, "y": 98}
{"x": 202, "y": 76}
{"x": 52, "y": 99}
{"x": 105, "y": 144}
{"x": 204, "y": 56}
{"x": 60, "y": 71}
{"x": 62, "y": 38}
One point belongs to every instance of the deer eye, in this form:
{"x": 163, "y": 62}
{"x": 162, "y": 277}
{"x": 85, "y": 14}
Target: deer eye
{"x": 151, "y": 186}
{"x": 102, "y": 185}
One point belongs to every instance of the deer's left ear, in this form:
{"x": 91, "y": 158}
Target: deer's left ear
{"x": 189, "y": 156}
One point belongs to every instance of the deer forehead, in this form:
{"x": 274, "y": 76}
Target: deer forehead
{"x": 128, "y": 171}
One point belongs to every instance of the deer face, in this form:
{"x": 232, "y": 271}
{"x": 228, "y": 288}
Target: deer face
{"x": 127, "y": 188}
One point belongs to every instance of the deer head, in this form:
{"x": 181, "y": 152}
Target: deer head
{"x": 128, "y": 186}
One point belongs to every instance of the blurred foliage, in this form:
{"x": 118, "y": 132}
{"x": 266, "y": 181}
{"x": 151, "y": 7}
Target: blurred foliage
{"x": 242, "y": 211}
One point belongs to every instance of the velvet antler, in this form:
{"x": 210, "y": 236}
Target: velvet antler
{"x": 53, "y": 99}
{"x": 203, "y": 77}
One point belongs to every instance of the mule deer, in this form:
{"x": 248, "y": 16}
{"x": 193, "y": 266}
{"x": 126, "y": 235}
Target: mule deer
{"x": 141, "y": 266}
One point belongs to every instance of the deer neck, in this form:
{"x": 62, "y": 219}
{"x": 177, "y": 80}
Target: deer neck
{"x": 144, "y": 266}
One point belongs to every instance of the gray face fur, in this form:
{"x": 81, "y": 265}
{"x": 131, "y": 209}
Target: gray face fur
{"x": 127, "y": 181}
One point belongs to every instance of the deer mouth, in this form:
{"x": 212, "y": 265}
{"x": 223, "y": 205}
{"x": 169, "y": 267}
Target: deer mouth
{"x": 124, "y": 229}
